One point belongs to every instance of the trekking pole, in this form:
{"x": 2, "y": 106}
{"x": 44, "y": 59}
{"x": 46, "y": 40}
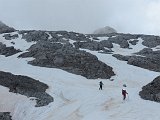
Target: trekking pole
{"x": 128, "y": 96}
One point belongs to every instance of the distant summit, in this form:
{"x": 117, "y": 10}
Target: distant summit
{"x": 105, "y": 30}
{"x": 5, "y": 29}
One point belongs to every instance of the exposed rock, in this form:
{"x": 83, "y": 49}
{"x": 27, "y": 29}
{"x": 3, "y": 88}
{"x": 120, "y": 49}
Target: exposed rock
{"x": 103, "y": 35}
{"x": 34, "y": 35}
{"x": 57, "y": 51}
{"x": 5, "y": 29}
{"x": 10, "y": 37}
{"x": 69, "y": 35}
{"x": 78, "y": 36}
{"x": 7, "y": 51}
{"x": 106, "y": 51}
{"x": 150, "y": 40}
{"x": 121, "y": 57}
{"x": 145, "y": 62}
{"x": 5, "y": 116}
{"x": 133, "y": 42}
{"x": 151, "y": 91}
{"x": 25, "y": 31}
{"x": 26, "y": 86}
{"x": 93, "y": 45}
{"x": 149, "y": 60}
{"x": 145, "y": 51}
{"x": 68, "y": 58}
{"x": 150, "y": 53}
{"x": 106, "y": 43}
{"x": 121, "y": 40}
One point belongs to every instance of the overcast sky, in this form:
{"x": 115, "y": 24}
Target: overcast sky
{"x": 128, "y": 16}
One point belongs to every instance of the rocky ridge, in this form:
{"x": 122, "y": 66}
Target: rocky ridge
{"x": 26, "y": 86}
{"x": 146, "y": 58}
{"x": 151, "y": 91}
{"x": 58, "y": 52}
{"x": 5, "y": 29}
{"x": 8, "y": 51}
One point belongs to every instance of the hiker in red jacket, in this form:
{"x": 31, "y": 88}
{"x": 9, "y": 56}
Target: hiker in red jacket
{"x": 124, "y": 92}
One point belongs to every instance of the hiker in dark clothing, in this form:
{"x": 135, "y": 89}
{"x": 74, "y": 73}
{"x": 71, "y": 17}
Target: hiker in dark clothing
{"x": 124, "y": 92}
{"x": 100, "y": 85}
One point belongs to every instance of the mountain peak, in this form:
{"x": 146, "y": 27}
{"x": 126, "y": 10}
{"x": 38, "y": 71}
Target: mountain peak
{"x": 105, "y": 30}
{"x": 5, "y": 29}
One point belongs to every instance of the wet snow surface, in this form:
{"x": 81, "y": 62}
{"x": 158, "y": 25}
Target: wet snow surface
{"x": 77, "y": 98}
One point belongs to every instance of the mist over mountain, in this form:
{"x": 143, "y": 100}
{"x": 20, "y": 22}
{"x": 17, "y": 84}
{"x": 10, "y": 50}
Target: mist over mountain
{"x": 105, "y": 30}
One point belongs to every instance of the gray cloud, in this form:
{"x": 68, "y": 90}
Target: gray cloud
{"x": 129, "y": 16}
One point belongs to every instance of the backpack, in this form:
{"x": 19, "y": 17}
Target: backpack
{"x": 123, "y": 92}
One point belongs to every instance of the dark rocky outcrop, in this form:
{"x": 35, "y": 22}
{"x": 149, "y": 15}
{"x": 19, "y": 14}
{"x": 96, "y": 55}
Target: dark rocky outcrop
{"x": 5, "y": 29}
{"x": 150, "y": 40}
{"x": 55, "y": 35}
{"x": 5, "y": 116}
{"x": 106, "y": 43}
{"x": 119, "y": 40}
{"x": 10, "y": 37}
{"x": 68, "y": 58}
{"x": 147, "y": 58}
{"x": 122, "y": 39}
{"x": 133, "y": 42}
{"x": 26, "y": 86}
{"x": 151, "y": 91}
{"x": 54, "y": 49}
{"x": 103, "y": 35}
{"x": 150, "y": 59}
{"x": 148, "y": 52}
{"x": 7, "y": 51}
{"x": 121, "y": 57}
{"x": 90, "y": 45}
{"x": 145, "y": 62}
{"x": 72, "y": 35}
{"x": 34, "y": 35}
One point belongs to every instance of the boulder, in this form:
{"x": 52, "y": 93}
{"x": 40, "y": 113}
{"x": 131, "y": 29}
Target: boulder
{"x": 7, "y": 51}
{"x": 26, "y": 86}
{"x": 151, "y": 91}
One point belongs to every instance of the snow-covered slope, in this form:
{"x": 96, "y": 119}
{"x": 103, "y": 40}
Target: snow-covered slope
{"x": 75, "y": 97}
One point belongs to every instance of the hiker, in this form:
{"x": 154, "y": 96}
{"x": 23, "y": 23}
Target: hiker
{"x": 124, "y": 92}
{"x": 100, "y": 85}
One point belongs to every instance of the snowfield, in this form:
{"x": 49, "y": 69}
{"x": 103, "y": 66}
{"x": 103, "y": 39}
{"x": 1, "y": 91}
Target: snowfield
{"x": 77, "y": 98}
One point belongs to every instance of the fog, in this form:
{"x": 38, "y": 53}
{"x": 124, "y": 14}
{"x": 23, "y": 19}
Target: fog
{"x": 127, "y": 16}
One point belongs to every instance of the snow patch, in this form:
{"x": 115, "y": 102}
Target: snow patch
{"x": 19, "y": 43}
{"x": 77, "y": 98}
{"x": 128, "y": 51}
